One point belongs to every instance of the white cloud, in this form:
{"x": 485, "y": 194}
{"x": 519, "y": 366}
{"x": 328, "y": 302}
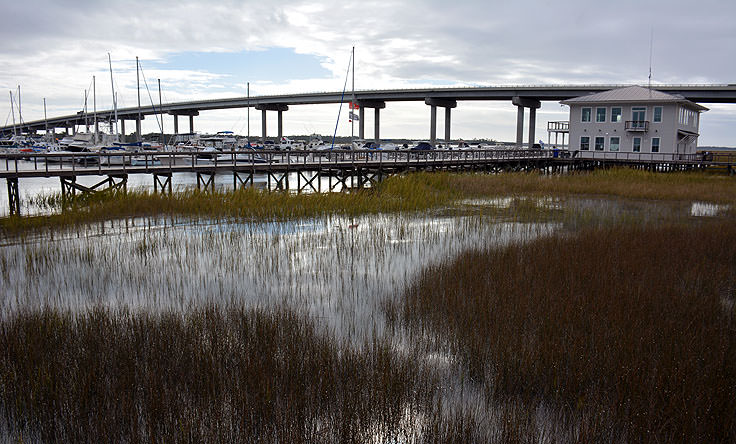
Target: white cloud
{"x": 52, "y": 48}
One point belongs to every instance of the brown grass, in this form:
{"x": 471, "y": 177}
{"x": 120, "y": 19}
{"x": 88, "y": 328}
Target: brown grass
{"x": 209, "y": 376}
{"x": 412, "y": 192}
{"x": 629, "y": 331}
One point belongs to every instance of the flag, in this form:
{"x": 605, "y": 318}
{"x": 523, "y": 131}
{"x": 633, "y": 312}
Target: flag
{"x": 354, "y": 105}
{"x": 354, "y": 116}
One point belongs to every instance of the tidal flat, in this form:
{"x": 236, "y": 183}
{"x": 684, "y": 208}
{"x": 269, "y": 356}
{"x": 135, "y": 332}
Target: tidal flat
{"x": 434, "y": 308}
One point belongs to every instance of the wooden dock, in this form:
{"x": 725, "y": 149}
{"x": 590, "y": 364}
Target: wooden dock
{"x": 348, "y": 168}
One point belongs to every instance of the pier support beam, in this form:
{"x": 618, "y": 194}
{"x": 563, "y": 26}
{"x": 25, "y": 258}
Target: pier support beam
{"x": 521, "y": 103}
{"x": 13, "y": 196}
{"x": 447, "y": 104}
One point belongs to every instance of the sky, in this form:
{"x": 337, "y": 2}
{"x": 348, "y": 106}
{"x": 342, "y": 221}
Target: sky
{"x": 203, "y": 49}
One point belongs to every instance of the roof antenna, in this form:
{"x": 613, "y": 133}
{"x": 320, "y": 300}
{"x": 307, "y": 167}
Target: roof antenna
{"x": 651, "y": 44}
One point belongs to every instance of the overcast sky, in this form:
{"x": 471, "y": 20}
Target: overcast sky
{"x": 203, "y": 49}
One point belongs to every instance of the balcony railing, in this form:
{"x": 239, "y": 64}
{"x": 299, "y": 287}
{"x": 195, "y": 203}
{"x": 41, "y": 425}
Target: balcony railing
{"x": 637, "y": 125}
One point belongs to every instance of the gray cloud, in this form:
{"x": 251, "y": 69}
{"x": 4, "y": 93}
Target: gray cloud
{"x": 54, "y": 46}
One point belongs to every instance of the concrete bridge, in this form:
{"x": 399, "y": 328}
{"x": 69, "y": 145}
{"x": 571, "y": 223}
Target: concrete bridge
{"x": 520, "y": 96}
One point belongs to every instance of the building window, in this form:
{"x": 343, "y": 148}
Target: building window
{"x": 599, "y": 141}
{"x": 600, "y": 114}
{"x": 585, "y": 143}
{"x": 655, "y": 144}
{"x": 615, "y": 114}
{"x": 657, "y": 113}
{"x": 613, "y": 143}
{"x": 586, "y": 115}
{"x": 637, "y": 145}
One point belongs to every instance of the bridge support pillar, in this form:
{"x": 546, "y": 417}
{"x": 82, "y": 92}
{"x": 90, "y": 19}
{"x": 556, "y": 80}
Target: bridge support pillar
{"x": 138, "y": 129}
{"x": 377, "y": 125}
{"x": 191, "y": 124}
{"x": 122, "y": 130}
{"x": 519, "y": 126}
{"x": 447, "y": 104}
{"x": 176, "y": 124}
{"x": 521, "y": 103}
{"x": 281, "y": 124}
{"x": 263, "y": 127}
{"x": 532, "y": 125}
{"x": 448, "y": 119}
{"x": 280, "y": 107}
{"x": 361, "y": 123}
{"x": 433, "y": 125}
{"x": 13, "y": 196}
{"x": 377, "y": 105}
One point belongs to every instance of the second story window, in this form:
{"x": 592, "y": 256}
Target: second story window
{"x": 657, "y": 114}
{"x": 616, "y": 114}
{"x": 600, "y": 114}
{"x": 585, "y": 115}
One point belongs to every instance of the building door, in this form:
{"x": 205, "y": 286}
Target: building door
{"x": 638, "y": 115}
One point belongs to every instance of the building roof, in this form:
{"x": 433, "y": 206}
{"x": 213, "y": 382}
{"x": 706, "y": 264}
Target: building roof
{"x": 633, "y": 94}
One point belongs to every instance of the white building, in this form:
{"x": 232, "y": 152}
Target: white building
{"x": 634, "y": 120}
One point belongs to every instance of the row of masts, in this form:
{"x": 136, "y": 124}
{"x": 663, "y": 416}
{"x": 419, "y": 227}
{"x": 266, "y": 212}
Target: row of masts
{"x": 15, "y": 101}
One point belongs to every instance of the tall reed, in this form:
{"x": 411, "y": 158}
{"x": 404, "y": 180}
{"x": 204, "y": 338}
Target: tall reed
{"x": 629, "y": 331}
{"x": 212, "y": 375}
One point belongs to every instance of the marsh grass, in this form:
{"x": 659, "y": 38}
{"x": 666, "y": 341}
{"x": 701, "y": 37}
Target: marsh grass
{"x": 410, "y": 192}
{"x": 211, "y": 375}
{"x": 629, "y": 331}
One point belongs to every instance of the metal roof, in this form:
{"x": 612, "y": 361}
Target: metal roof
{"x": 634, "y": 94}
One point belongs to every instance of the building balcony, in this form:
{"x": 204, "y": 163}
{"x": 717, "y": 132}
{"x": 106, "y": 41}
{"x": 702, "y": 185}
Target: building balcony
{"x": 562, "y": 126}
{"x": 637, "y": 125}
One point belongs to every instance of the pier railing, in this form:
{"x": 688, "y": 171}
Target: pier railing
{"x": 163, "y": 162}
{"x": 101, "y": 163}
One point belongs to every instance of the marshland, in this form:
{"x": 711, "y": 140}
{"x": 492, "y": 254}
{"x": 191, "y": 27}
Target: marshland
{"x": 433, "y": 307}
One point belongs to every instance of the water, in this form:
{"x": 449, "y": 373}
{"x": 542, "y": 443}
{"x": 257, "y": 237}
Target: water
{"x": 32, "y": 188}
{"x": 335, "y": 269}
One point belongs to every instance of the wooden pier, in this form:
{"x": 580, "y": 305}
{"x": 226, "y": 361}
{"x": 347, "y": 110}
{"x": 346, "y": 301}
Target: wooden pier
{"x": 347, "y": 168}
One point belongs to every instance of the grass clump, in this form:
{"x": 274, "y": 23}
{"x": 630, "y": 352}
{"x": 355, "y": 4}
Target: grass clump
{"x": 631, "y": 332}
{"x": 405, "y": 193}
{"x": 213, "y": 375}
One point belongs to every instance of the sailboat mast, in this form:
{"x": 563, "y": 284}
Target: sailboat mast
{"x": 86, "y": 120}
{"x": 12, "y": 110}
{"x": 94, "y": 107}
{"x": 20, "y": 112}
{"x": 45, "y": 119}
{"x": 114, "y": 99}
{"x": 138, "y": 86}
{"x": 352, "y": 121}
{"x": 248, "y": 92}
{"x": 161, "y": 111}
